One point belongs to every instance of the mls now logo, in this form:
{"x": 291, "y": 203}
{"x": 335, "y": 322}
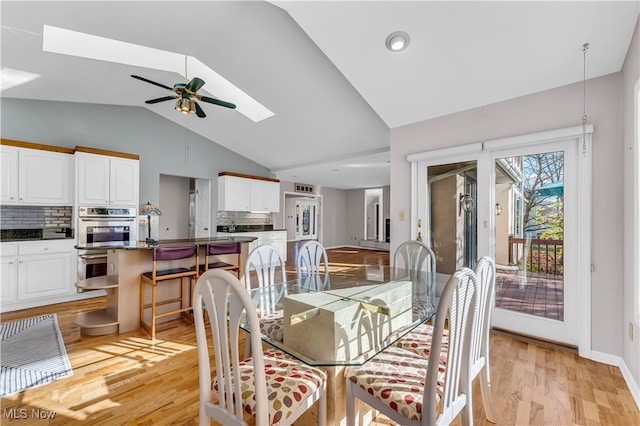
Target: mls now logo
{"x": 23, "y": 413}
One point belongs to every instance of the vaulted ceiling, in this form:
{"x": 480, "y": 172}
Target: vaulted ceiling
{"x": 321, "y": 67}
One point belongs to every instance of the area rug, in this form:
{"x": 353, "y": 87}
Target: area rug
{"x": 32, "y": 354}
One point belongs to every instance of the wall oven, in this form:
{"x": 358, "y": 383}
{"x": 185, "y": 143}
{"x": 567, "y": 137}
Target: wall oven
{"x": 106, "y": 225}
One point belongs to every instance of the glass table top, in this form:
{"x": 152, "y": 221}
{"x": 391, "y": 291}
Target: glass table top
{"x": 342, "y": 318}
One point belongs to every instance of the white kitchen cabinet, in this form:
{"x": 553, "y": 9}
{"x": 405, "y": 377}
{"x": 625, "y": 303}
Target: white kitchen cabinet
{"x": 35, "y": 273}
{"x": 265, "y": 196}
{"x": 9, "y": 177}
{"x": 234, "y": 193}
{"x": 278, "y": 239}
{"x": 105, "y": 180}
{"x": 239, "y": 193}
{"x": 9, "y": 273}
{"x": 35, "y": 177}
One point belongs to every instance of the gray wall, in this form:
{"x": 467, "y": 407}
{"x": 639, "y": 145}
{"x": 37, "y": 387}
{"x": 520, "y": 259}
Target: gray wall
{"x": 552, "y": 109}
{"x": 163, "y": 147}
{"x": 630, "y": 77}
{"x": 334, "y": 211}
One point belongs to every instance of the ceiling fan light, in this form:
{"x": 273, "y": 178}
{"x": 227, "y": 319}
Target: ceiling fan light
{"x": 397, "y": 41}
{"x": 185, "y": 105}
{"x": 192, "y": 107}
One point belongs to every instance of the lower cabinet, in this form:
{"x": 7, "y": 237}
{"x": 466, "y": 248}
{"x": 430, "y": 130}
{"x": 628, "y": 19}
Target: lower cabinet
{"x": 278, "y": 239}
{"x": 36, "y": 271}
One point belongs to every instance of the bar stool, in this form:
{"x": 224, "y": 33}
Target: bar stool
{"x": 156, "y": 276}
{"x": 216, "y": 249}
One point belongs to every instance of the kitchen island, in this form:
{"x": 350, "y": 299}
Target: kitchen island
{"x": 125, "y": 262}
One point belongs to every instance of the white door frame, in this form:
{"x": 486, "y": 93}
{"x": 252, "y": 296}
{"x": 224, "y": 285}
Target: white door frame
{"x": 482, "y": 153}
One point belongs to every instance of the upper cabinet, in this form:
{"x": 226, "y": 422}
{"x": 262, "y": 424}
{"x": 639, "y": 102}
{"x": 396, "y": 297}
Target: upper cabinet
{"x": 247, "y": 193}
{"x": 36, "y": 176}
{"x": 107, "y": 180}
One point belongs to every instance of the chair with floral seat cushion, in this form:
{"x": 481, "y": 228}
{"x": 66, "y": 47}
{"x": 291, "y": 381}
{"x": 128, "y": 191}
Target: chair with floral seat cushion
{"x": 266, "y": 265}
{"x": 411, "y": 389}
{"x": 415, "y": 261}
{"x": 270, "y": 386}
{"x": 419, "y": 339}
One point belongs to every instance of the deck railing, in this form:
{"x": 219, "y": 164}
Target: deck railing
{"x": 537, "y": 254}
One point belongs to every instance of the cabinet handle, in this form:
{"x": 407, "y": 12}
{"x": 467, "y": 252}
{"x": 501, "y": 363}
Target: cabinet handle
{"x": 11, "y": 262}
{"x": 46, "y": 248}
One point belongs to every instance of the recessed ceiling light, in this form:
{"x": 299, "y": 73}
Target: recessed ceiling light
{"x": 397, "y": 41}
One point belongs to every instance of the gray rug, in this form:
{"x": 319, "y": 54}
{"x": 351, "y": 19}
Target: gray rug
{"x": 32, "y": 353}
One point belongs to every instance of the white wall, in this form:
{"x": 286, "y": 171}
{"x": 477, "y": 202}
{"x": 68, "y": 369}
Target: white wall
{"x": 630, "y": 76}
{"x": 552, "y": 109}
{"x": 334, "y": 212}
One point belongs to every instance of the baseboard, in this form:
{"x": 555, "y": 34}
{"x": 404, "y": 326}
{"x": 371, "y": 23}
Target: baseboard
{"x": 626, "y": 373}
{"x": 355, "y": 247}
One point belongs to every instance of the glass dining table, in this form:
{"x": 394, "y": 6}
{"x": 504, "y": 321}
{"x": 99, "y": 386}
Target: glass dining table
{"x": 343, "y": 318}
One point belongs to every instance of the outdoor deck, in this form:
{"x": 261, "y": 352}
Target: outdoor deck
{"x": 536, "y": 294}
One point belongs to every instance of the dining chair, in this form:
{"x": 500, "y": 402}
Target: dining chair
{"x": 212, "y": 250}
{"x": 270, "y": 386}
{"x": 419, "y": 340}
{"x": 160, "y": 256}
{"x": 312, "y": 266}
{"x": 417, "y": 262}
{"x": 412, "y": 389}
{"x": 264, "y": 262}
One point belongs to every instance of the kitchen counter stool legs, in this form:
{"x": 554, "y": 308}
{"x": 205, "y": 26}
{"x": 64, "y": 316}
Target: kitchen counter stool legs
{"x": 188, "y": 253}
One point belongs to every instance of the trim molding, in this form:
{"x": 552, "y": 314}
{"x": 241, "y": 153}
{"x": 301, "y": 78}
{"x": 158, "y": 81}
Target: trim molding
{"x": 626, "y": 373}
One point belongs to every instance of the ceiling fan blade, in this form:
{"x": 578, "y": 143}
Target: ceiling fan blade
{"x": 199, "y": 112}
{"x": 217, "y": 102}
{"x": 151, "y": 82}
{"x": 195, "y": 84}
{"x": 165, "y": 98}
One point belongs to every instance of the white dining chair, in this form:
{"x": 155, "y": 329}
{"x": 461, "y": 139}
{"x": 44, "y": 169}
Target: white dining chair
{"x": 270, "y": 386}
{"x": 479, "y": 352}
{"x": 417, "y": 262}
{"x": 266, "y": 264}
{"x": 419, "y": 340}
{"x": 312, "y": 266}
{"x": 414, "y": 390}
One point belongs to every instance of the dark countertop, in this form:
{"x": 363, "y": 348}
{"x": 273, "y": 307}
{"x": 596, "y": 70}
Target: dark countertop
{"x": 36, "y": 234}
{"x": 143, "y": 245}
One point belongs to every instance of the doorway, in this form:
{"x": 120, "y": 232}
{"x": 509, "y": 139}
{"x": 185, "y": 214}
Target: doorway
{"x": 373, "y": 215}
{"x": 185, "y": 203}
{"x": 475, "y": 202}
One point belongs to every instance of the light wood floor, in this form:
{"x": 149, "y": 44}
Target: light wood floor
{"x": 127, "y": 379}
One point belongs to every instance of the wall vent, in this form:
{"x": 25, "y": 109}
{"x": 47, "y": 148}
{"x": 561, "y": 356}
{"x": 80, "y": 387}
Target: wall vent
{"x": 303, "y": 187}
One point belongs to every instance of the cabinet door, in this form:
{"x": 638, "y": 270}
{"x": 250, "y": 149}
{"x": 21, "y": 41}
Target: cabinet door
{"x": 265, "y": 196}
{"x": 234, "y": 193}
{"x": 44, "y": 177}
{"x": 44, "y": 275}
{"x": 93, "y": 179}
{"x": 8, "y": 279}
{"x": 124, "y": 182}
{"x": 9, "y": 174}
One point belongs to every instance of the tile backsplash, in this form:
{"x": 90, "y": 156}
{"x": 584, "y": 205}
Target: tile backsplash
{"x": 243, "y": 218}
{"x": 26, "y": 217}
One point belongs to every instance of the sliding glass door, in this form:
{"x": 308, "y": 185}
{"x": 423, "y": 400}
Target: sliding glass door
{"x": 520, "y": 201}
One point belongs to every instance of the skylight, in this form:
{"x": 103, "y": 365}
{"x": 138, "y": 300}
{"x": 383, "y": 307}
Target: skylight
{"x": 74, "y": 43}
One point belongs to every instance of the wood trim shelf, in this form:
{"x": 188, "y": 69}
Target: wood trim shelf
{"x": 31, "y": 145}
{"x": 248, "y": 176}
{"x": 106, "y": 152}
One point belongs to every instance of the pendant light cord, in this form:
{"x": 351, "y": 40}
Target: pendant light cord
{"x": 585, "y": 47}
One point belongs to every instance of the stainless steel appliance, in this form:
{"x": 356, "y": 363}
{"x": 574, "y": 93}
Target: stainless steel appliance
{"x": 108, "y": 225}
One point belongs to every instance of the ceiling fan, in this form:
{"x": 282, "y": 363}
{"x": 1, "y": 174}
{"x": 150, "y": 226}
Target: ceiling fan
{"x": 186, "y": 94}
